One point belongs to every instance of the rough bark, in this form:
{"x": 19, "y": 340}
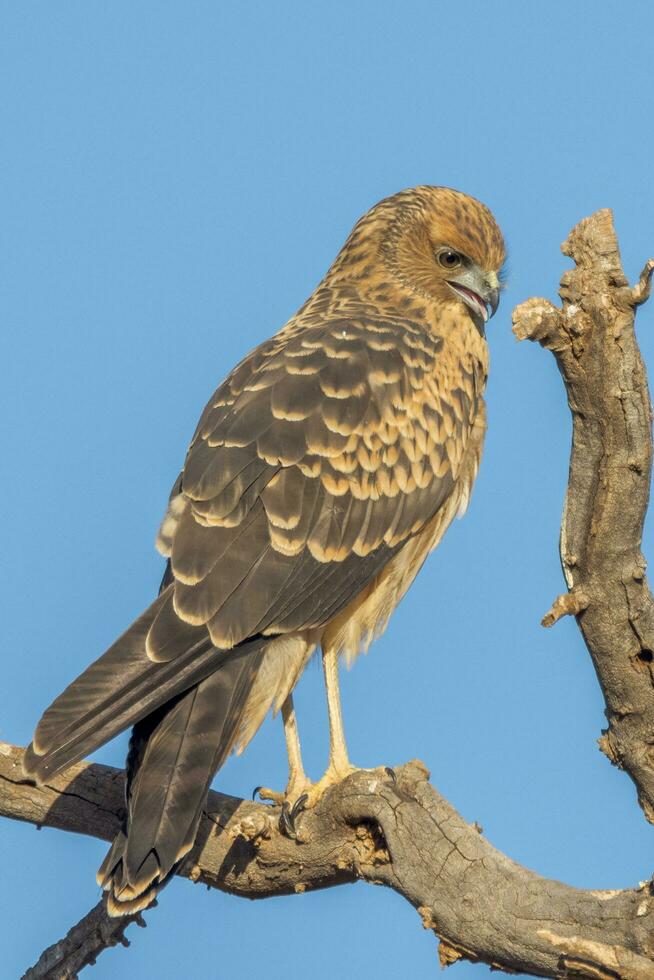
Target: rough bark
{"x": 592, "y": 338}
{"x": 400, "y": 832}
{"x": 82, "y": 945}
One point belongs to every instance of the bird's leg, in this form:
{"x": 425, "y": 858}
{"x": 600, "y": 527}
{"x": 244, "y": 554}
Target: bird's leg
{"x": 297, "y": 778}
{"x": 301, "y": 793}
{"x": 298, "y": 781}
{"x": 339, "y": 763}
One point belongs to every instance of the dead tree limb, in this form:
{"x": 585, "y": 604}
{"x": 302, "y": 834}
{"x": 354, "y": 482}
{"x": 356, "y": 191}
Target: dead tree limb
{"x": 592, "y": 338}
{"x": 82, "y": 945}
{"x": 401, "y": 833}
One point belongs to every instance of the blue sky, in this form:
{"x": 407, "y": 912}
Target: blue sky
{"x": 176, "y": 179}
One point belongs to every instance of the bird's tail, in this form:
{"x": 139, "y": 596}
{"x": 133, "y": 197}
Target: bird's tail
{"x": 174, "y": 754}
{"x": 186, "y": 711}
{"x": 117, "y": 690}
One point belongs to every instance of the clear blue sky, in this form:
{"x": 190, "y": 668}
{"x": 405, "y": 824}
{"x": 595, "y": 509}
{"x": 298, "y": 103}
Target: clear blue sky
{"x": 176, "y": 178}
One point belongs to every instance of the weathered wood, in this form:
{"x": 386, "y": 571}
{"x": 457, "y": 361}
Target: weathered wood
{"x": 593, "y": 340}
{"x": 400, "y": 833}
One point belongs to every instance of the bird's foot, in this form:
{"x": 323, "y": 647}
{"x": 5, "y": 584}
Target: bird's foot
{"x": 333, "y": 775}
{"x": 290, "y": 812}
{"x": 293, "y": 805}
{"x": 296, "y": 787}
{"x": 292, "y": 802}
{"x": 302, "y": 794}
{"x": 312, "y": 794}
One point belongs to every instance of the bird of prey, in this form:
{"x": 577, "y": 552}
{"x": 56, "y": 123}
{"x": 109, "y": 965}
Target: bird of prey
{"x": 322, "y": 472}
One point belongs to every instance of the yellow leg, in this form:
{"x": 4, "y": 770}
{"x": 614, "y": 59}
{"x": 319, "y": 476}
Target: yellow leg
{"x": 339, "y": 762}
{"x": 298, "y": 782}
{"x": 339, "y": 765}
{"x": 297, "y": 779}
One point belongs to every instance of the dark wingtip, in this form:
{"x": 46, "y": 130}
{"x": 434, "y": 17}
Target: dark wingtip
{"x": 42, "y": 766}
{"x": 31, "y": 763}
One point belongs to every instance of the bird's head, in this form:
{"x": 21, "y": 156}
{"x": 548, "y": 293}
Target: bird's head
{"x": 440, "y": 243}
{"x": 447, "y": 245}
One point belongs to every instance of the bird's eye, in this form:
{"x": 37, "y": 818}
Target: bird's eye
{"x": 449, "y": 259}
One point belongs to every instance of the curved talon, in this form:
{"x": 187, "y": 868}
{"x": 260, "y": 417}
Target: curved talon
{"x": 286, "y": 824}
{"x": 289, "y": 815}
{"x": 299, "y": 805}
{"x": 390, "y": 772}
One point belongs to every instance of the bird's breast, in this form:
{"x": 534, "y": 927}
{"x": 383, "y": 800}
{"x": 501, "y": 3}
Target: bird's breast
{"x": 367, "y": 616}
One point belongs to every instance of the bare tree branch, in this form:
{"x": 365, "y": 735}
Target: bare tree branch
{"x": 82, "y": 945}
{"x": 593, "y": 340}
{"x": 402, "y": 833}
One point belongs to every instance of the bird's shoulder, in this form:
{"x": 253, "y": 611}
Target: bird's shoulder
{"x": 367, "y": 406}
{"x": 347, "y": 375}
{"x": 321, "y": 454}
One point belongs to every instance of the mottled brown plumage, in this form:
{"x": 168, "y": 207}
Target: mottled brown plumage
{"x": 321, "y": 474}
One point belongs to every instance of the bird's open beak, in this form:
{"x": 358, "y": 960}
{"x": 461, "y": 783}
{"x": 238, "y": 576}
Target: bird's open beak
{"x": 479, "y": 291}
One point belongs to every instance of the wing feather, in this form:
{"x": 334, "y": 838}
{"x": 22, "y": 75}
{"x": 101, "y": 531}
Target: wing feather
{"x": 318, "y": 459}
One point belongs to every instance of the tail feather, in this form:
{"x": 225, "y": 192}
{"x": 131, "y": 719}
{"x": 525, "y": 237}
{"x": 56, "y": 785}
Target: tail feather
{"x": 118, "y": 689}
{"x": 89, "y": 693}
{"x": 186, "y": 712}
{"x": 174, "y": 754}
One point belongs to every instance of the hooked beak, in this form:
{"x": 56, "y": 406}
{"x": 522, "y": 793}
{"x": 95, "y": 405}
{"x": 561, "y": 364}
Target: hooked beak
{"x": 493, "y": 299}
{"x": 479, "y": 291}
